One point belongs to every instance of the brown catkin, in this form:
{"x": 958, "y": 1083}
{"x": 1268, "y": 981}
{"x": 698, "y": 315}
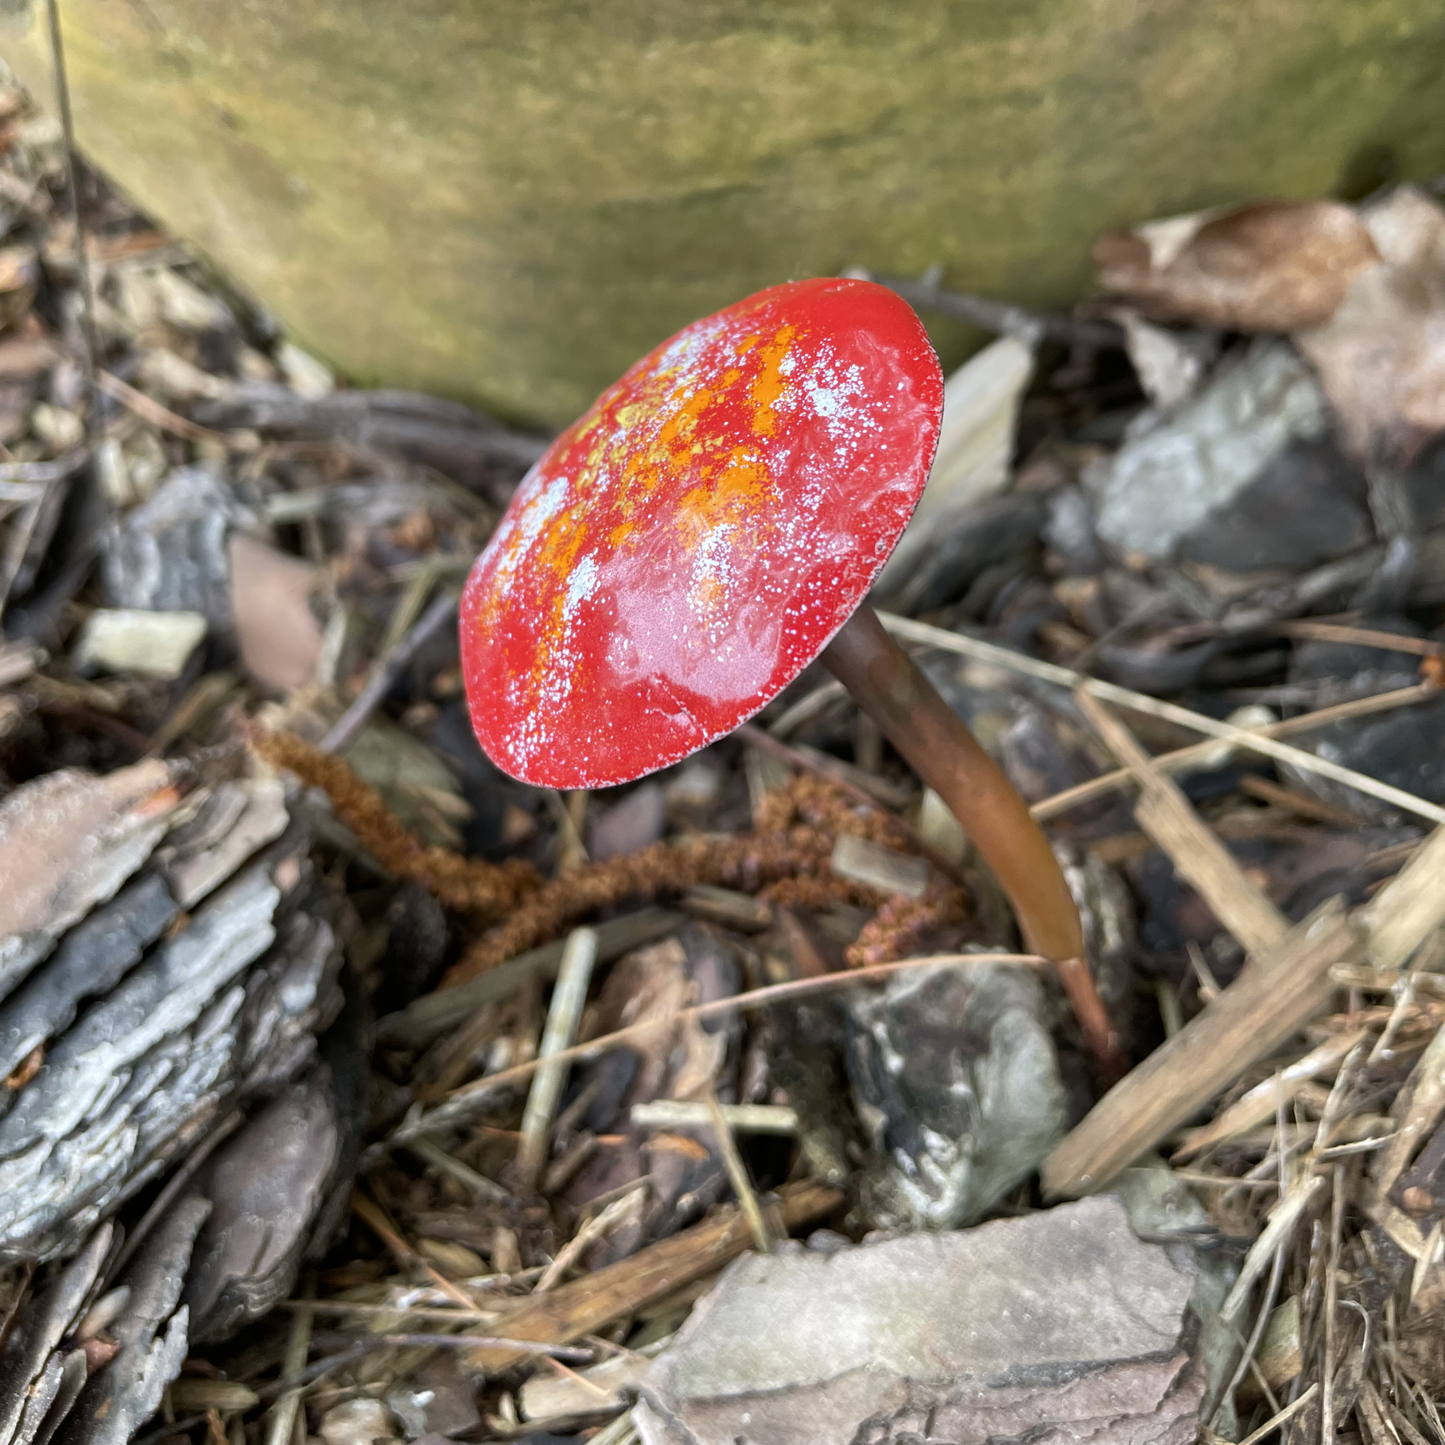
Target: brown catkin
{"x": 785, "y": 860}
{"x": 467, "y": 885}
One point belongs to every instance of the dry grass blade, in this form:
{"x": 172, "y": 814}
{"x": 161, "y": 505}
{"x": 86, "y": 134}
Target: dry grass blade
{"x": 1281, "y": 990}
{"x": 737, "y": 1173}
{"x": 1259, "y": 1103}
{"x": 598, "y": 1227}
{"x": 282, "y": 1418}
{"x": 1181, "y": 759}
{"x": 1282, "y": 1418}
{"x": 1256, "y": 740}
{"x": 564, "y": 1015}
{"x": 1276, "y": 1234}
{"x": 1168, "y": 817}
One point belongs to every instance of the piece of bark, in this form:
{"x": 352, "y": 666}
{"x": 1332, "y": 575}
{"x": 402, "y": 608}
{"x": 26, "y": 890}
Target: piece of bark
{"x": 151, "y": 1333}
{"x": 279, "y": 1188}
{"x": 1059, "y": 1326}
{"x": 162, "y": 998}
{"x": 43, "y": 1325}
{"x": 169, "y": 553}
{"x": 620, "y": 1289}
{"x": 1282, "y": 989}
{"x": 240, "y": 817}
{"x": 90, "y": 960}
{"x": 212, "y": 1017}
{"x": 1168, "y": 817}
{"x": 266, "y": 1186}
{"x": 67, "y": 842}
{"x": 44, "y": 1414}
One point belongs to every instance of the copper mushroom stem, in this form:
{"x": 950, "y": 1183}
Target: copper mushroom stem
{"x": 889, "y": 686}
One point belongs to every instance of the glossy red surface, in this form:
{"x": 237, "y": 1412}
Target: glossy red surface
{"x": 693, "y": 541}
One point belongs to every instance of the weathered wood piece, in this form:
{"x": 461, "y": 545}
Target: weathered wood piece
{"x": 587, "y": 1304}
{"x": 1282, "y": 989}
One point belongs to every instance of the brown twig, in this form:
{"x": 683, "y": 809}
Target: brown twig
{"x": 1361, "y": 637}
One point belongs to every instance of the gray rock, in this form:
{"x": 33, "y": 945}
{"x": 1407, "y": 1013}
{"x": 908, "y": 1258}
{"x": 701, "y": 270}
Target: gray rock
{"x": 955, "y": 1078}
{"x": 1164, "y": 483}
{"x": 1060, "y": 1326}
{"x": 1306, "y": 507}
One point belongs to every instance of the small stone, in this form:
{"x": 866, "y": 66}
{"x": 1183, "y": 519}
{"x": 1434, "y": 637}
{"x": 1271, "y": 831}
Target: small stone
{"x": 1163, "y": 484}
{"x": 149, "y": 644}
{"x": 58, "y": 428}
{"x": 357, "y": 1422}
{"x": 957, "y": 1084}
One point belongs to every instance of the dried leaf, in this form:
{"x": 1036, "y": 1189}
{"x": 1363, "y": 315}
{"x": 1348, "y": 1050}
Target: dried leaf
{"x": 1381, "y": 354}
{"x": 1267, "y": 266}
{"x": 276, "y": 630}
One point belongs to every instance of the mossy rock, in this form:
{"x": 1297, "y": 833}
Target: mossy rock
{"x": 508, "y": 203}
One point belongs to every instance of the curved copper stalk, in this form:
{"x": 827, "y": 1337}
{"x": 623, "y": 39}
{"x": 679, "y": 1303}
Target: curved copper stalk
{"x": 888, "y": 685}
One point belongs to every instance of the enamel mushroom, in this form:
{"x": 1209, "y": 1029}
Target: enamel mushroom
{"x": 705, "y": 531}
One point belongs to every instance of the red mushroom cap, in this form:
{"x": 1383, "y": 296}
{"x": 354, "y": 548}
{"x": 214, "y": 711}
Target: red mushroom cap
{"x": 692, "y": 542}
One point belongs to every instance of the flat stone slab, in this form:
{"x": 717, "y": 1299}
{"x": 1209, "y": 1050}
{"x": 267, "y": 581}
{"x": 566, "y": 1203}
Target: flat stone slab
{"x": 1058, "y": 1326}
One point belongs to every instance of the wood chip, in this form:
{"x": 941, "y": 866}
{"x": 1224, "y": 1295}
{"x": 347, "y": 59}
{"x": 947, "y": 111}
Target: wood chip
{"x": 588, "y": 1304}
